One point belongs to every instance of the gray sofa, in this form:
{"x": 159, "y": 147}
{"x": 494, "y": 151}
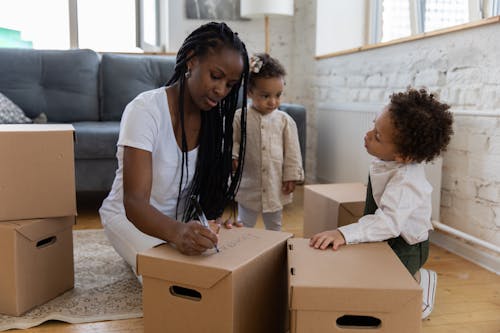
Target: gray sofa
{"x": 90, "y": 91}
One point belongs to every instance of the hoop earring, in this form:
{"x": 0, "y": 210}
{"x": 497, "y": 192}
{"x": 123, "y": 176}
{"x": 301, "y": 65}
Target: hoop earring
{"x": 187, "y": 75}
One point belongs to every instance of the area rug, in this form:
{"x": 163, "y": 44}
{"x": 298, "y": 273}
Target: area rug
{"x": 105, "y": 288}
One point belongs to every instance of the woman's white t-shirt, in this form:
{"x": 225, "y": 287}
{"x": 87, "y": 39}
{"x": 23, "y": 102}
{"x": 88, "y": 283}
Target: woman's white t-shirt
{"x": 146, "y": 124}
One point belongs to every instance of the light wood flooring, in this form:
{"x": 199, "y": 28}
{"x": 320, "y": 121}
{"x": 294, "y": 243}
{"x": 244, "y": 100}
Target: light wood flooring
{"x": 467, "y": 299}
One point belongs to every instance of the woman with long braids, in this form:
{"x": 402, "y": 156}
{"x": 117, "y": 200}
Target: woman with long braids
{"x": 175, "y": 142}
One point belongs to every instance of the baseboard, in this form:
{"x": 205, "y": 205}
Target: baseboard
{"x": 466, "y": 251}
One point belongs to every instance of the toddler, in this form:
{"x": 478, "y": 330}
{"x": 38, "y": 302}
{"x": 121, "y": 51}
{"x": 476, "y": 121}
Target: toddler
{"x": 414, "y": 128}
{"x": 272, "y": 163}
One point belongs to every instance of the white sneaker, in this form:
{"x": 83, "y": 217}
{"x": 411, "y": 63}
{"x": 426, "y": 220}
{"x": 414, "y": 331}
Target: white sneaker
{"x": 428, "y": 282}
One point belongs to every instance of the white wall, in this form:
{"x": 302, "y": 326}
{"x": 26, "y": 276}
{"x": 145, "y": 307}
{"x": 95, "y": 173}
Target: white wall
{"x": 250, "y": 31}
{"x": 463, "y": 67}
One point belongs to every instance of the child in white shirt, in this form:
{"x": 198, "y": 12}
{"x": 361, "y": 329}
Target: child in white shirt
{"x": 413, "y": 128}
{"x": 272, "y": 163}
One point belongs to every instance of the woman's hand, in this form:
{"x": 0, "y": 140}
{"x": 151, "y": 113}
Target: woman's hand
{"x": 325, "y": 238}
{"x": 193, "y": 239}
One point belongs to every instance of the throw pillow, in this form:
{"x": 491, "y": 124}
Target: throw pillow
{"x": 10, "y": 113}
{"x": 41, "y": 119}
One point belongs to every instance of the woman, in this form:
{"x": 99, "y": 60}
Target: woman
{"x": 175, "y": 142}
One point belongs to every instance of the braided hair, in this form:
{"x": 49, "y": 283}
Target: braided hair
{"x": 214, "y": 183}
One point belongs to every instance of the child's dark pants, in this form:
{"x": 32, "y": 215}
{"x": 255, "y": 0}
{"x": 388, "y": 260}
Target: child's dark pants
{"x": 412, "y": 256}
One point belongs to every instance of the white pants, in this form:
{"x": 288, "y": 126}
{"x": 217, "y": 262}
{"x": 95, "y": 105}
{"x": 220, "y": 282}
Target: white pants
{"x": 127, "y": 240}
{"x": 248, "y": 217}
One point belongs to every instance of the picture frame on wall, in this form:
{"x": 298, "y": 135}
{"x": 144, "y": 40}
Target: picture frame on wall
{"x": 221, "y": 10}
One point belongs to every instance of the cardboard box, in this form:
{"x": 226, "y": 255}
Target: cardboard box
{"x": 37, "y": 262}
{"x": 243, "y": 288}
{"x": 354, "y": 289}
{"x": 37, "y": 173}
{"x": 328, "y": 206}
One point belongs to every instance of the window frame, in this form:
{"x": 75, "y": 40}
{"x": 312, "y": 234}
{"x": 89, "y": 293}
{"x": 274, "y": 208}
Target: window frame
{"x": 417, "y": 16}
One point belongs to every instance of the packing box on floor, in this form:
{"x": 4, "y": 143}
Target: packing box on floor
{"x": 36, "y": 259}
{"x": 328, "y": 206}
{"x": 240, "y": 289}
{"x": 358, "y": 288}
{"x": 37, "y": 174}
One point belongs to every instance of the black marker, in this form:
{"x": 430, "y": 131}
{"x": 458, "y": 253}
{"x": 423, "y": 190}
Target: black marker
{"x": 201, "y": 215}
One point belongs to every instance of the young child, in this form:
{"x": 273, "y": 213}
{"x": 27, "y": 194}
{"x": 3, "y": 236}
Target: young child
{"x": 272, "y": 163}
{"x": 413, "y": 128}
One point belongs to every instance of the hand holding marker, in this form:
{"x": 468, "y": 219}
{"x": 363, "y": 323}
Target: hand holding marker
{"x": 201, "y": 215}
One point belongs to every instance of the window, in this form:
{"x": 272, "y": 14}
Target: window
{"x": 101, "y": 25}
{"x": 34, "y": 23}
{"x": 347, "y": 26}
{"x": 439, "y": 14}
{"x": 495, "y": 7}
{"x": 395, "y": 19}
{"x": 404, "y": 18}
{"x": 96, "y": 29}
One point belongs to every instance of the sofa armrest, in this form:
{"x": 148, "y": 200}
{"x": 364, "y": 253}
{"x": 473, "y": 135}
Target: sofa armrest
{"x": 298, "y": 114}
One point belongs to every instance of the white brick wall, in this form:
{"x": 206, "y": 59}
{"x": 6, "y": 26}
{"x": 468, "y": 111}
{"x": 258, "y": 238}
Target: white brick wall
{"x": 464, "y": 69}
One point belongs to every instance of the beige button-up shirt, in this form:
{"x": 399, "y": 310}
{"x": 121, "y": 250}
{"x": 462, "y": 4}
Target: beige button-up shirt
{"x": 272, "y": 157}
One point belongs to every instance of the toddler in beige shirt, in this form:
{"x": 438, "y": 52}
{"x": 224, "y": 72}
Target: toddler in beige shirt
{"x": 272, "y": 163}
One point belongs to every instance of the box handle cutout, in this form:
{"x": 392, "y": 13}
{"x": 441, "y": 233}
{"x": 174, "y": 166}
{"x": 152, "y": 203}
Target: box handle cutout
{"x": 187, "y": 293}
{"x": 46, "y": 242}
{"x": 292, "y": 271}
{"x": 356, "y": 322}
{"x": 290, "y": 247}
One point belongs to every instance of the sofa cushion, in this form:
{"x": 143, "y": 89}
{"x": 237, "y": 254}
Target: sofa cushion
{"x": 123, "y": 77}
{"x": 95, "y": 175}
{"x": 62, "y": 84}
{"x": 96, "y": 139}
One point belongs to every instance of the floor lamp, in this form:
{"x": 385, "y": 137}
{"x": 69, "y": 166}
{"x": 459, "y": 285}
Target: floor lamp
{"x": 266, "y": 8}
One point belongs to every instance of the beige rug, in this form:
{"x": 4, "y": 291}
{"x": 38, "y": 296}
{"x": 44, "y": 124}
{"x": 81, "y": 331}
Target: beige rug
{"x": 105, "y": 288}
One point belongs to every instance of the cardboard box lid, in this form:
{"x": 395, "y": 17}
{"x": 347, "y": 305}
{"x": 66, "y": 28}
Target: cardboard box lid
{"x": 340, "y": 192}
{"x": 359, "y": 278}
{"x": 37, "y": 229}
{"x": 237, "y": 247}
{"x": 36, "y": 127}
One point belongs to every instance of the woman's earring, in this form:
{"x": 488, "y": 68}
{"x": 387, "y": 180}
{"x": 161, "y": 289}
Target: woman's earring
{"x": 187, "y": 75}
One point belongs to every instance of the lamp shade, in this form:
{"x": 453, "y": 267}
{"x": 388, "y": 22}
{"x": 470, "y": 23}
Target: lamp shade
{"x": 261, "y": 8}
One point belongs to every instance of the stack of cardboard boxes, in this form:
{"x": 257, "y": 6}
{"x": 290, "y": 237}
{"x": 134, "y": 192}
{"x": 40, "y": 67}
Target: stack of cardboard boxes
{"x": 37, "y": 213}
{"x": 359, "y": 288}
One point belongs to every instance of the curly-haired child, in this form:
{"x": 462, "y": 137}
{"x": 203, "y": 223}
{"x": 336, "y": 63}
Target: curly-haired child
{"x": 414, "y": 128}
{"x": 272, "y": 162}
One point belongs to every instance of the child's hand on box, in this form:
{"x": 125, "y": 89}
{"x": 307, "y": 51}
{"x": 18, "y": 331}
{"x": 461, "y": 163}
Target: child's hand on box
{"x": 325, "y": 238}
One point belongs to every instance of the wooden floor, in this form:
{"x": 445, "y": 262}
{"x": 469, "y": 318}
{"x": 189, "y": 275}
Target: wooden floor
{"x": 467, "y": 299}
